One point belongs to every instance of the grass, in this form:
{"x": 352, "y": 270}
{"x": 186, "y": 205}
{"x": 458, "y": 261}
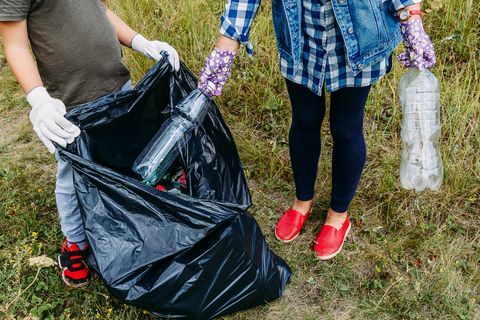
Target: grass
{"x": 410, "y": 256}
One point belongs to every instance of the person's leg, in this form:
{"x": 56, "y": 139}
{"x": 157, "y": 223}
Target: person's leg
{"x": 74, "y": 251}
{"x": 346, "y": 126}
{"x": 67, "y": 205}
{"x": 75, "y": 248}
{"x": 308, "y": 111}
{"x": 349, "y": 151}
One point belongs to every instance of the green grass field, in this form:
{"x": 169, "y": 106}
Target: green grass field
{"x": 410, "y": 256}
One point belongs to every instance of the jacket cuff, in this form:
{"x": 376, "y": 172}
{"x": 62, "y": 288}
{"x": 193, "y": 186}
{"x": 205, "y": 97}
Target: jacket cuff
{"x": 400, "y": 4}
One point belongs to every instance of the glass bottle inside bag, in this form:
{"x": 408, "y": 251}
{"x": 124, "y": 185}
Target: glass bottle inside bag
{"x": 421, "y": 166}
{"x": 157, "y": 157}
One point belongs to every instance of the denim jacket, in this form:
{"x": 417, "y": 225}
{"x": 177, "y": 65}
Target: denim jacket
{"x": 370, "y": 28}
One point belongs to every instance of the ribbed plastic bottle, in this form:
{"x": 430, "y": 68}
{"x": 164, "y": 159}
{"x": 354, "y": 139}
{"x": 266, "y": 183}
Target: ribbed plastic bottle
{"x": 157, "y": 157}
{"x": 421, "y": 165}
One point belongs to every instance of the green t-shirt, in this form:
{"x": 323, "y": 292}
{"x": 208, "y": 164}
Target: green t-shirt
{"x": 77, "y": 51}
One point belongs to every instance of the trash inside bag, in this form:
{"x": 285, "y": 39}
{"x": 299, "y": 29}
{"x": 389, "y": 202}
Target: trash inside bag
{"x": 157, "y": 157}
{"x": 195, "y": 253}
{"x": 175, "y": 180}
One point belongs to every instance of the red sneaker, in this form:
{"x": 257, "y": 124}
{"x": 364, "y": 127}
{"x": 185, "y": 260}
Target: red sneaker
{"x": 71, "y": 261}
{"x": 289, "y": 225}
{"x": 329, "y": 241}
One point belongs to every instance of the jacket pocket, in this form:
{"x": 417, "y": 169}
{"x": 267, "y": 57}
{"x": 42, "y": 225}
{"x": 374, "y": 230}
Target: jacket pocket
{"x": 366, "y": 24}
{"x": 389, "y": 19}
{"x": 282, "y": 29}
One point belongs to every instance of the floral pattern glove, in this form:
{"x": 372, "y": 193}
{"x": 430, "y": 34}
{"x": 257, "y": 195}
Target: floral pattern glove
{"x": 419, "y": 48}
{"x": 215, "y": 72}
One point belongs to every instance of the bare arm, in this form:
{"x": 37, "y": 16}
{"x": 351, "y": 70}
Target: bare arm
{"x": 125, "y": 34}
{"x": 225, "y": 43}
{"x": 17, "y": 51}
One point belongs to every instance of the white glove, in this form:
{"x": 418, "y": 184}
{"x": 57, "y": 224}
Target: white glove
{"x": 49, "y": 123}
{"x": 152, "y": 50}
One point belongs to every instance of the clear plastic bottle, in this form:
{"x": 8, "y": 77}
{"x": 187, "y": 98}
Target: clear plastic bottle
{"x": 421, "y": 167}
{"x": 157, "y": 157}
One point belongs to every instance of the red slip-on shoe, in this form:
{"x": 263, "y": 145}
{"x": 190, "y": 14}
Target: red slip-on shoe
{"x": 329, "y": 241}
{"x": 71, "y": 261}
{"x": 289, "y": 225}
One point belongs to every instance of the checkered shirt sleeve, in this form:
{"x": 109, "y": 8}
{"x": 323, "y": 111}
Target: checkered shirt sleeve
{"x": 237, "y": 20}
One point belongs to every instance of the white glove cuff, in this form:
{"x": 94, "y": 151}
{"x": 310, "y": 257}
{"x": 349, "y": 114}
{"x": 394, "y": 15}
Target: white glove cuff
{"x": 38, "y": 96}
{"x": 139, "y": 42}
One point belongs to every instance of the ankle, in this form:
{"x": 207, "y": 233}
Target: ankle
{"x": 80, "y": 244}
{"x": 337, "y": 215}
{"x": 335, "y": 219}
{"x": 301, "y": 206}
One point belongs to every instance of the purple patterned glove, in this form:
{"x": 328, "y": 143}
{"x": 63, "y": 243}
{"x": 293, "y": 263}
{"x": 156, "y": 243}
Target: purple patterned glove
{"x": 418, "y": 46}
{"x": 215, "y": 72}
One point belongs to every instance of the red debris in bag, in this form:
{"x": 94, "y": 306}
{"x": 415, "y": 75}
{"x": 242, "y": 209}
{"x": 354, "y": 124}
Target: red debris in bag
{"x": 161, "y": 188}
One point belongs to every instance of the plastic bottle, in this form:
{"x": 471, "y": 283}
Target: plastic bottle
{"x": 157, "y": 157}
{"x": 421, "y": 166}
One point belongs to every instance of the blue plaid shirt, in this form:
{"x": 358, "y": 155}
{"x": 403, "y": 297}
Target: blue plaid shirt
{"x": 324, "y": 58}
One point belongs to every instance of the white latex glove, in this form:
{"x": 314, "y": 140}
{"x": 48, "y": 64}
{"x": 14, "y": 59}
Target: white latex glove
{"x": 49, "y": 123}
{"x": 152, "y": 50}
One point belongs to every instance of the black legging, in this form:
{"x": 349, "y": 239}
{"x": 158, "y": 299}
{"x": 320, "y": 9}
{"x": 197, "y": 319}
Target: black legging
{"x": 347, "y": 108}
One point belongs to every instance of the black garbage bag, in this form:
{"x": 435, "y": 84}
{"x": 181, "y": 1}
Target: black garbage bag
{"x": 188, "y": 256}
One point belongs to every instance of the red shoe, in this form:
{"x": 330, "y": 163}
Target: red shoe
{"x": 289, "y": 225}
{"x": 71, "y": 261}
{"x": 329, "y": 241}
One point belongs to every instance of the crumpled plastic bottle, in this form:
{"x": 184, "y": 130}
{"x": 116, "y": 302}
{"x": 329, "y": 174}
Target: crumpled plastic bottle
{"x": 421, "y": 166}
{"x": 162, "y": 150}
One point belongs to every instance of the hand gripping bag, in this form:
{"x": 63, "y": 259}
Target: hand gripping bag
{"x": 182, "y": 256}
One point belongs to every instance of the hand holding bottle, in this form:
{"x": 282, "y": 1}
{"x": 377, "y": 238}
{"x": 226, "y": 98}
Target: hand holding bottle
{"x": 418, "y": 46}
{"x": 217, "y": 67}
